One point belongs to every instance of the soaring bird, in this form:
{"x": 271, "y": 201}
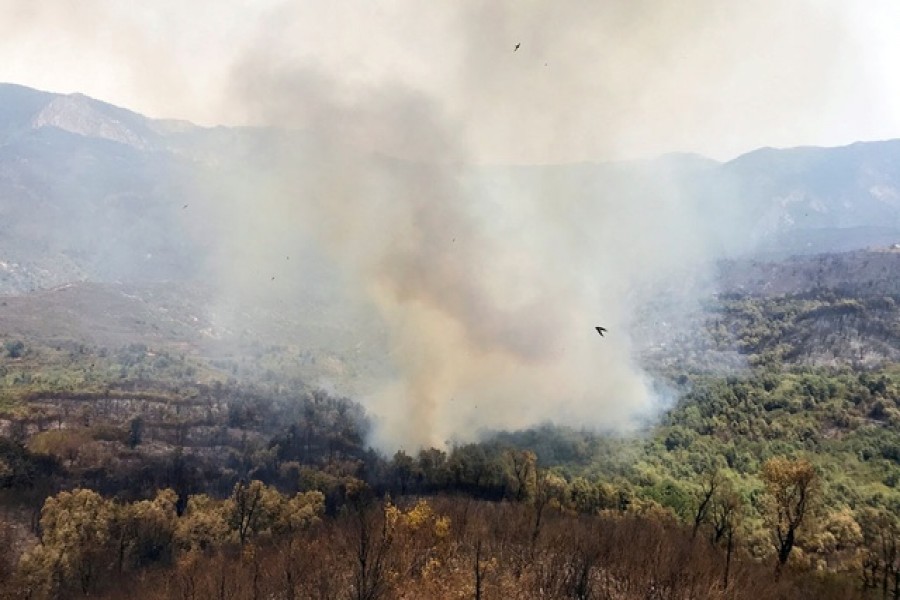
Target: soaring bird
{"x": 600, "y": 330}
{"x": 517, "y": 47}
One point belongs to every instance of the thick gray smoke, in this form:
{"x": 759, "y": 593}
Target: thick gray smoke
{"x": 487, "y": 281}
{"x": 483, "y": 284}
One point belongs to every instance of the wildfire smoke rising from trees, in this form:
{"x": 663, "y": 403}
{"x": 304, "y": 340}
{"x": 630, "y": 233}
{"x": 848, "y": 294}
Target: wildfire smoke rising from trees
{"x": 489, "y": 291}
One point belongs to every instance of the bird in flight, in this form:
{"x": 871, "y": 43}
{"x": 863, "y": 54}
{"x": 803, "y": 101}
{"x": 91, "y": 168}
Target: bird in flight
{"x": 517, "y": 47}
{"x": 600, "y": 330}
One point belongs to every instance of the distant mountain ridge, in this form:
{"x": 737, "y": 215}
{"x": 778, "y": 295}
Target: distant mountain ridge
{"x": 24, "y": 109}
{"x": 822, "y": 189}
{"x": 90, "y": 192}
{"x": 94, "y": 192}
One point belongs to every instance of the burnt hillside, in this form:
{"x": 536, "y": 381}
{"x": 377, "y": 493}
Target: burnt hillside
{"x": 821, "y": 310}
{"x": 859, "y": 273}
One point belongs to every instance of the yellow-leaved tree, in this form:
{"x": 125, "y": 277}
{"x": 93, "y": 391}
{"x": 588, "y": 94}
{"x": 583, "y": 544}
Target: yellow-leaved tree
{"x": 793, "y": 491}
{"x": 146, "y": 530}
{"x": 202, "y": 527}
{"x": 252, "y": 508}
{"x": 76, "y": 543}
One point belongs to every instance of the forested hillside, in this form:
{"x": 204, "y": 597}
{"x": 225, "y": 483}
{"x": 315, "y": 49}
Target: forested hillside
{"x": 185, "y": 362}
{"x": 780, "y": 446}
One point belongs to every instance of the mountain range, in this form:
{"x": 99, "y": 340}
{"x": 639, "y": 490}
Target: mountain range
{"x": 132, "y": 212}
{"x": 94, "y": 192}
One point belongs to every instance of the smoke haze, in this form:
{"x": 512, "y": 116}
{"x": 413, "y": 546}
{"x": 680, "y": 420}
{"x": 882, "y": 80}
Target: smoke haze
{"x": 594, "y": 81}
{"x": 485, "y": 282}
{"x": 489, "y": 283}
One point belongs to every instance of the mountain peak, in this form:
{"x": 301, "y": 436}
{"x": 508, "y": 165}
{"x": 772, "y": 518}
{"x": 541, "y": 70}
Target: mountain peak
{"x": 81, "y": 115}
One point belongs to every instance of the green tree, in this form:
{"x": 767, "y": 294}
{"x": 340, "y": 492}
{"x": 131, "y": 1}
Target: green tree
{"x": 402, "y": 470}
{"x": 14, "y": 348}
{"x": 881, "y": 539}
{"x": 584, "y": 496}
{"x": 432, "y": 464}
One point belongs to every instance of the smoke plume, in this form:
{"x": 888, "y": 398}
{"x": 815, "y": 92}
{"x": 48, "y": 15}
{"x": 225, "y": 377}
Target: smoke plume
{"x": 380, "y": 168}
{"x": 489, "y": 281}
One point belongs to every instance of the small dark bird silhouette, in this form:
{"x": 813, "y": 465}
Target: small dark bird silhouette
{"x": 273, "y": 279}
{"x": 517, "y": 47}
{"x": 185, "y": 206}
{"x": 600, "y": 330}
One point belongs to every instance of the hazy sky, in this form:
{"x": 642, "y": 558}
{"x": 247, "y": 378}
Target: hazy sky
{"x": 592, "y": 80}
